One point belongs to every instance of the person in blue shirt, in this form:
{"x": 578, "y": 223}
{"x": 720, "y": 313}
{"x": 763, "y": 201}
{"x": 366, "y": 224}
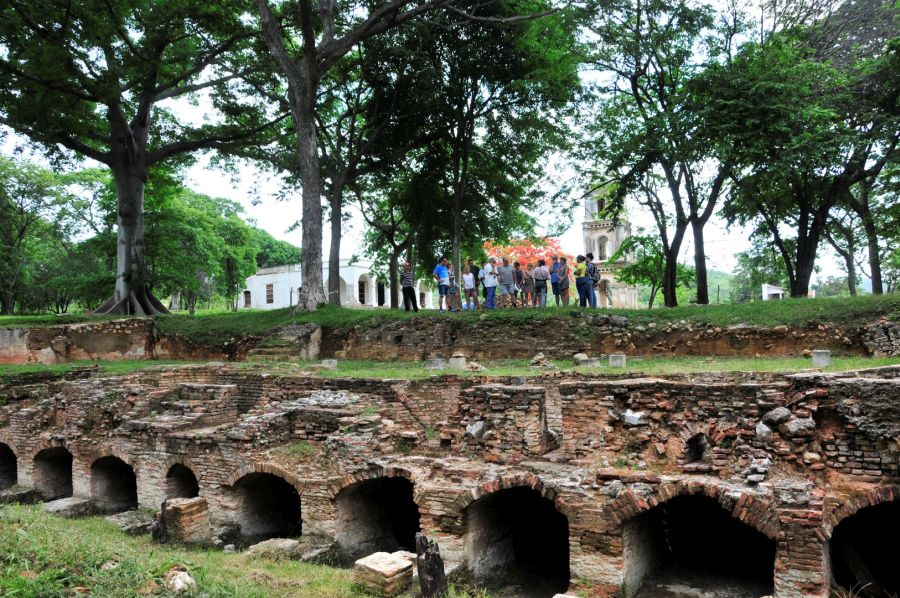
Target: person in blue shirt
{"x": 554, "y": 278}
{"x": 442, "y": 276}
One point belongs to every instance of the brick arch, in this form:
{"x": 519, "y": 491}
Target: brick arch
{"x": 108, "y": 452}
{"x": 265, "y": 467}
{"x": 755, "y": 511}
{"x": 5, "y": 438}
{"x": 372, "y": 473}
{"x": 873, "y": 497}
{"x": 180, "y": 460}
{"x": 521, "y": 480}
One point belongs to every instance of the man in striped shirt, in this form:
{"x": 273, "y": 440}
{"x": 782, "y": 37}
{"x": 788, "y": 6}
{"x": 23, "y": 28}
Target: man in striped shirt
{"x": 408, "y": 288}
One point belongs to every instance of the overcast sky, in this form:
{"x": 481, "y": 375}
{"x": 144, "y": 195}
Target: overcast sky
{"x": 276, "y": 217}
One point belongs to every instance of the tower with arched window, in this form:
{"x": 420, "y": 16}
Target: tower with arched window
{"x": 603, "y": 236}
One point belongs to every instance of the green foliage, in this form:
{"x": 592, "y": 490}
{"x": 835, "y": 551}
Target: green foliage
{"x": 44, "y": 555}
{"x": 647, "y": 264}
{"x": 762, "y": 264}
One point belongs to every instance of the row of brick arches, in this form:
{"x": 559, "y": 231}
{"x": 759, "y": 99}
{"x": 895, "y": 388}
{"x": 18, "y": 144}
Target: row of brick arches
{"x": 516, "y": 535}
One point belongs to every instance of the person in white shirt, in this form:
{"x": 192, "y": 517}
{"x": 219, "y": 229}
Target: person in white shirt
{"x": 471, "y": 289}
{"x": 489, "y": 279}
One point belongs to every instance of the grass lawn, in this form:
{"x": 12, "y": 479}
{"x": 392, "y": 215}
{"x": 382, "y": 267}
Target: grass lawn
{"x": 44, "y": 555}
{"x": 651, "y": 366}
{"x": 214, "y": 328}
{"x": 108, "y": 367}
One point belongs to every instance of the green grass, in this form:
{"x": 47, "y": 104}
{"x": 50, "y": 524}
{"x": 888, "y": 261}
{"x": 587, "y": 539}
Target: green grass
{"x": 651, "y": 366}
{"x": 106, "y": 367}
{"x": 46, "y": 556}
{"x": 216, "y": 328}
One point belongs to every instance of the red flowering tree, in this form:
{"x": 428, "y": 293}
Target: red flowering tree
{"x": 529, "y": 251}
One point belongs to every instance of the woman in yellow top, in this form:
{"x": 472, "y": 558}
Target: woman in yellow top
{"x": 582, "y": 282}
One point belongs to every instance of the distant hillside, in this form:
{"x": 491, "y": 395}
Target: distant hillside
{"x": 721, "y": 281}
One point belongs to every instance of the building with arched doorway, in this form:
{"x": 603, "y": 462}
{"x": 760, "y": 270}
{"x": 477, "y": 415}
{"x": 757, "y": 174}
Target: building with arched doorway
{"x": 603, "y": 237}
{"x": 359, "y": 286}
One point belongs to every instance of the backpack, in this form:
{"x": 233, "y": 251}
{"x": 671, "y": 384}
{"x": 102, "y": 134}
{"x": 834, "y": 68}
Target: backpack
{"x": 593, "y": 272}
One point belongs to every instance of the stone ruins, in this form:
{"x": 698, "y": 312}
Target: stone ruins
{"x": 770, "y": 485}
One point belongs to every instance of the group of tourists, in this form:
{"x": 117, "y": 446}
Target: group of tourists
{"x": 502, "y": 283}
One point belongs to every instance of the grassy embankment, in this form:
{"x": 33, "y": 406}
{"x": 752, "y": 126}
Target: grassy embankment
{"x": 214, "y": 329}
{"x": 651, "y": 366}
{"x": 47, "y": 556}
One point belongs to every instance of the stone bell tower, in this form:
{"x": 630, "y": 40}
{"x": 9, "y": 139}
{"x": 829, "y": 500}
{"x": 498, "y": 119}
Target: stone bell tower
{"x": 603, "y": 237}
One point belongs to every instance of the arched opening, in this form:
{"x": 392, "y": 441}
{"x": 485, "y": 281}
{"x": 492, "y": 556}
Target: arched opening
{"x": 113, "y": 485}
{"x": 603, "y": 249}
{"x": 690, "y": 545}
{"x": 268, "y": 507}
{"x": 697, "y": 449}
{"x": 377, "y": 515}
{"x": 516, "y": 537}
{"x": 865, "y": 552}
{"x": 53, "y": 473}
{"x": 8, "y": 470}
{"x": 362, "y": 290}
{"x": 248, "y": 299}
{"x": 181, "y": 482}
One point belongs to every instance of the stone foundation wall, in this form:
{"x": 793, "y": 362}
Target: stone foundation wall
{"x": 416, "y": 339}
{"x": 790, "y": 457}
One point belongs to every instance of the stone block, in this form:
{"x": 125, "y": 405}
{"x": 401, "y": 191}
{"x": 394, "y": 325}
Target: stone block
{"x": 73, "y": 506}
{"x": 330, "y": 364}
{"x": 617, "y": 360}
{"x": 457, "y": 363}
{"x": 384, "y": 574}
{"x": 438, "y": 363}
{"x": 133, "y": 523}
{"x": 187, "y": 520}
{"x": 276, "y": 549}
{"x": 821, "y": 358}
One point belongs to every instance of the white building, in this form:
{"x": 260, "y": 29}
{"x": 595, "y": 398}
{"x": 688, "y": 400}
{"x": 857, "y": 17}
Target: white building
{"x": 603, "y": 238}
{"x": 770, "y": 292}
{"x": 274, "y": 288}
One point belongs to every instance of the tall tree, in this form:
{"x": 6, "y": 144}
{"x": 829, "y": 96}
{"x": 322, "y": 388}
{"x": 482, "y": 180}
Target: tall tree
{"x": 98, "y": 78}
{"x": 29, "y": 195}
{"x": 307, "y": 42}
{"x": 502, "y": 95}
{"x": 806, "y": 134}
{"x": 649, "y": 127}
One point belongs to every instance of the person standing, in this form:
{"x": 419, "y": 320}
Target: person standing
{"x": 554, "y": 278}
{"x": 541, "y": 276}
{"x": 489, "y": 280}
{"x": 581, "y": 281}
{"x": 506, "y": 280}
{"x": 470, "y": 286}
{"x": 528, "y": 285}
{"x": 518, "y": 280}
{"x": 453, "y": 293}
{"x": 594, "y": 276}
{"x": 476, "y": 272}
{"x": 442, "y": 275}
{"x": 563, "y": 275}
{"x": 406, "y": 286}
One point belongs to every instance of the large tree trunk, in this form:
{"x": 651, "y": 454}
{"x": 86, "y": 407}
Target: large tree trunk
{"x": 670, "y": 280}
{"x": 6, "y": 304}
{"x": 334, "y": 252}
{"x": 700, "y": 263}
{"x": 132, "y": 294}
{"x": 874, "y": 251}
{"x": 303, "y": 105}
{"x": 807, "y": 247}
{"x": 456, "y": 225}
{"x": 393, "y": 265}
